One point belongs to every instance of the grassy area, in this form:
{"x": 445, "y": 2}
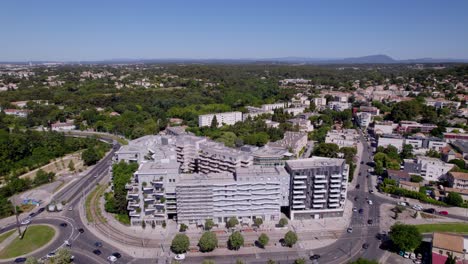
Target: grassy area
{"x": 443, "y": 227}
{"x": 6, "y": 235}
{"x": 35, "y": 237}
{"x": 123, "y": 218}
{"x": 93, "y": 199}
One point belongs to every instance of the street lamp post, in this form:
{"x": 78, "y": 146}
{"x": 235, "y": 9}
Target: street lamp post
{"x": 17, "y": 220}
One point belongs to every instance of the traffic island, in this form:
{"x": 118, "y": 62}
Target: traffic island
{"x": 34, "y": 238}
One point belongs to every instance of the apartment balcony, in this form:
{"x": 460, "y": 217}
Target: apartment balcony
{"x": 132, "y": 206}
{"x": 344, "y": 182}
{"x": 320, "y": 181}
{"x": 134, "y": 214}
{"x": 333, "y": 205}
{"x": 298, "y": 206}
{"x": 319, "y": 186}
{"x": 298, "y": 192}
{"x": 335, "y": 190}
{"x": 319, "y": 201}
{"x": 319, "y": 176}
{"x": 149, "y": 199}
{"x": 333, "y": 186}
{"x": 299, "y": 182}
{"x": 320, "y": 191}
{"x": 301, "y": 187}
{"x": 334, "y": 176}
{"x": 298, "y": 202}
{"x": 316, "y": 206}
{"x": 130, "y": 186}
{"x": 132, "y": 196}
{"x": 299, "y": 197}
{"x": 335, "y": 180}
{"x": 333, "y": 200}
{"x": 157, "y": 181}
{"x": 300, "y": 177}
{"x": 147, "y": 188}
{"x": 319, "y": 196}
{"x": 334, "y": 195}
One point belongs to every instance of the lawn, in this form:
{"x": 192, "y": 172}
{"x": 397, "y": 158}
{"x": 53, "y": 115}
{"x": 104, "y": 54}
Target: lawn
{"x": 35, "y": 237}
{"x": 443, "y": 227}
{"x": 6, "y": 235}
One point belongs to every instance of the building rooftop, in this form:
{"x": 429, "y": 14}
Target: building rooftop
{"x": 459, "y": 175}
{"x": 447, "y": 241}
{"x": 254, "y": 171}
{"x": 314, "y": 162}
{"x": 210, "y": 178}
{"x": 461, "y": 145}
{"x": 398, "y": 173}
{"x": 269, "y": 151}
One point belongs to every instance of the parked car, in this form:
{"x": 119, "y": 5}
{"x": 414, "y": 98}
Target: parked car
{"x": 81, "y": 230}
{"x": 97, "y": 252}
{"x": 42, "y": 209}
{"x": 349, "y": 230}
{"x": 315, "y": 257}
{"x": 406, "y": 255}
{"x": 412, "y": 256}
{"x": 98, "y": 244}
{"x": 26, "y": 222}
{"x": 403, "y": 203}
{"x": 429, "y": 210}
{"x": 354, "y": 209}
{"x": 361, "y": 211}
{"x": 50, "y": 255}
{"x": 20, "y": 260}
{"x": 443, "y": 213}
{"x": 370, "y": 221}
{"x": 111, "y": 258}
{"x": 117, "y": 255}
{"x": 370, "y": 202}
{"x": 179, "y": 257}
{"x": 365, "y": 245}
{"x": 63, "y": 224}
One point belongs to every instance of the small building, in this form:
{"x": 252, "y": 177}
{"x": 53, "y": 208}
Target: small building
{"x": 444, "y": 244}
{"x": 398, "y": 175}
{"x": 293, "y": 141}
{"x": 229, "y": 118}
{"x": 65, "y": 126}
{"x": 410, "y": 186}
{"x": 458, "y": 180}
{"x": 303, "y": 124}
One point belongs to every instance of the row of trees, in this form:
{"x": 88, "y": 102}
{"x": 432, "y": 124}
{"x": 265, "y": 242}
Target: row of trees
{"x": 116, "y": 201}
{"x": 208, "y": 241}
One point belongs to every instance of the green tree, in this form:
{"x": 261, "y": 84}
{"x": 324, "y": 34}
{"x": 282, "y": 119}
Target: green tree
{"x": 349, "y": 153}
{"x": 405, "y": 237}
{"x": 454, "y": 199}
{"x": 180, "y": 244}
{"x": 240, "y": 261}
{"x": 283, "y": 222}
{"x": 62, "y": 256}
{"x": 208, "y": 242}
{"x": 258, "y": 221}
{"x": 208, "y": 261}
{"x": 232, "y": 222}
{"x": 90, "y": 156}
{"x": 407, "y": 151}
{"x": 290, "y": 238}
{"x": 433, "y": 153}
{"x": 300, "y": 261}
{"x": 263, "y": 240}
{"x": 71, "y": 166}
{"x": 183, "y": 227}
{"x": 143, "y": 224}
{"x": 451, "y": 259}
{"x": 236, "y": 240}
{"x": 416, "y": 178}
{"x": 31, "y": 260}
{"x": 214, "y": 122}
{"x": 270, "y": 261}
{"x": 364, "y": 261}
{"x": 329, "y": 150}
{"x": 209, "y": 224}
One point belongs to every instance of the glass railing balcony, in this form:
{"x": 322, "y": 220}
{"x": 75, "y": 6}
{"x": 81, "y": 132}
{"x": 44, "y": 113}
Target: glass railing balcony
{"x": 319, "y": 200}
{"x": 320, "y": 181}
{"x": 319, "y": 196}
{"x": 319, "y": 186}
{"x": 333, "y": 186}
{"x": 299, "y": 187}
{"x": 320, "y": 191}
{"x": 299, "y": 196}
{"x": 317, "y": 206}
{"x": 300, "y": 177}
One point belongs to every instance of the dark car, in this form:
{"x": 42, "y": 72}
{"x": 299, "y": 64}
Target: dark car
{"x": 20, "y": 260}
{"x": 117, "y": 255}
{"x": 315, "y": 256}
{"x": 63, "y": 224}
{"x": 356, "y": 198}
{"x": 365, "y": 245}
{"x": 362, "y": 162}
{"x": 42, "y": 209}
{"x": 81, "y": 230}
{"x": 32, "y": 214}
{"x": 358, "y": 185}
{"x": 429, "y": 210}
{"x": 97, "y": 252}
{"x": 361, "y": 211}
{"x": 370, "y": 221}
{"x": 98, "y": 244}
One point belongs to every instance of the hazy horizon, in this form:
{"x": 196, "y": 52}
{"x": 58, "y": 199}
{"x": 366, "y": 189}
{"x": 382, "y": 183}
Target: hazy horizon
{"x": 106, "y": 30}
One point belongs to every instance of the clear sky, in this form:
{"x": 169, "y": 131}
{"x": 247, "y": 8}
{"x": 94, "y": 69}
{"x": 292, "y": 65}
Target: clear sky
{"x": 99, "y": 29}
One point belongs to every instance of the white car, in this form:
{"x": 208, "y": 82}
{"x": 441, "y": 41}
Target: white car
{"x": 50, "y": 255}
{"x": 354, "y": 209}
{"x": 111, "y": 258}
{"x": 26, "y": 222}
{"x": 406, "y": 255}
{"x": 403, "y": 203}
{"x": 179, "y": 257}
{"x": 370, "y": 202}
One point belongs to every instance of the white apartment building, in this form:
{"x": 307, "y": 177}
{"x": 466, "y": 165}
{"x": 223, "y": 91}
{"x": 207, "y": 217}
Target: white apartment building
{"x": 294, "y": 111}
{"x": 229, "y": 118}
{"x": 215, "y": 157}
{"x": 318, "y": 187}
{"x": 66, "y": 126}
{"x": 271, "y": 107}
{"x": 391, "y": 140}
{"x": 254, "y": 112}
{"x": 339, "y": 106}
{"x": 219, "y": 196}
{"x": 364, "y": 119}
{"x": 381, "y": 128}
{"x": 187, "y": 148}
{"x": 304, "y": 124}
{"x": 431, "y": 169}
{"x": 293, "y": 141}
{"x": 320, "y": 102}
{"x": 342, "y": 138}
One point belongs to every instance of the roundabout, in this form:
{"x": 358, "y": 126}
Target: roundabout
{"x": 34, "y": 238}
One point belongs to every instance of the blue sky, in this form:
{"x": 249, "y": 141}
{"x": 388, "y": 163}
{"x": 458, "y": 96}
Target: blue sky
{"x": 98, "y": 29}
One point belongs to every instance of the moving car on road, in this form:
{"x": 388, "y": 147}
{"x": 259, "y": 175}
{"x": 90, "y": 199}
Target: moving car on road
{"x": 349, "y": 230}
{"x": 20, "y": 260}
{"x": 97, "y": 252}
{"x": 179, "y": 257}
{"x": 443, "y": 213}
{"x": 117, "y": 255}
{"x": 111, "y": 258}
